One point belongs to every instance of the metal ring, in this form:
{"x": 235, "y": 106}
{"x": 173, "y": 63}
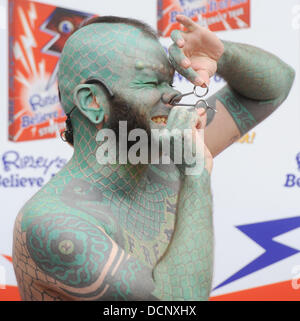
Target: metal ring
{"x": 179, "y": 97}
{"x": 63, "y": 136}
{"x": 200, "y": 96}
{"x": 201, "y": 101}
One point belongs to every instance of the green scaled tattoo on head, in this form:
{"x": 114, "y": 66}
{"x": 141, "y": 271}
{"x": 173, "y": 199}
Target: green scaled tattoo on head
{"x": 128, "y": 62}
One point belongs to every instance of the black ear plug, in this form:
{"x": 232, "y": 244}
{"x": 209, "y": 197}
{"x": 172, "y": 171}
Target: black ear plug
{"x": 67, "y": 135}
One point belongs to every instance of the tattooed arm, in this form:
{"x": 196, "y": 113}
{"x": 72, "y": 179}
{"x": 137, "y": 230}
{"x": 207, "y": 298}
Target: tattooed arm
{"x": 258, "y": 82}
{"x": 185, "y": 270}
{"x": 65, "y": 257}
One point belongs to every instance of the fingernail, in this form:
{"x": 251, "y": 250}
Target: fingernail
{"x": 201, "y": 111}
{"x": 185, "y": 62}
{"x": 198, "y": 81}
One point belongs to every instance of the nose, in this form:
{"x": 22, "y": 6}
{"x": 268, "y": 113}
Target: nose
{"x": 170, "y": 97}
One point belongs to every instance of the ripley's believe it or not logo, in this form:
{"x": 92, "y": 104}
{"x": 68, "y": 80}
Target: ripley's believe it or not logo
{"x": 37, "y": 34}
{"x": 216, "y": 15}
{"x": 293, "y": 180}
{"x": 27, "y": 171}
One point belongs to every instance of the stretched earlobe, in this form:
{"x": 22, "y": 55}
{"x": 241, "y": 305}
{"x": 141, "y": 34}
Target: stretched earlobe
{"x": 86, "y": 98}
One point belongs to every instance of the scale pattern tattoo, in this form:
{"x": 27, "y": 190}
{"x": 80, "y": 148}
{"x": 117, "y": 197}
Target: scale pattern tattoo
{"x": 120, "y": 232}
{"x": 77, "y": 266}
{"x": 140, "y": 202}
{"x": 258, "y": 82}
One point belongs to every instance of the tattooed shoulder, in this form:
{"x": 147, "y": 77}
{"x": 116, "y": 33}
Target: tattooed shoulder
{"x": 61, "y": 257}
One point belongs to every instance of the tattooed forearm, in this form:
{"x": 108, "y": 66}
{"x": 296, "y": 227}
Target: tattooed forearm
{"x": 185, "y": 271}
{"x": 258, "y": 82}
{"x": 255, "y": 73}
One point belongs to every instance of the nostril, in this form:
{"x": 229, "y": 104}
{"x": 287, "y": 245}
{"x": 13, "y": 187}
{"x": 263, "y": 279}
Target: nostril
{"x": 175, "y": 100}
{"x": 166, "y": 98}
{"x": 170, "y": 99}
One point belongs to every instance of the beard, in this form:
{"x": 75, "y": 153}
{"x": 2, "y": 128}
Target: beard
{"x": 121, "y": 111}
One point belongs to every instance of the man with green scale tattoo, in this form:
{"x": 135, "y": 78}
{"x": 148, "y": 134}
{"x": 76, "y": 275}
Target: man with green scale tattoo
{"x": 138, "y": 232}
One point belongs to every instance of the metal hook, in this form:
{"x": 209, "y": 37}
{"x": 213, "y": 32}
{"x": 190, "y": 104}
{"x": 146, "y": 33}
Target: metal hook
{"x": 197, "y": 104}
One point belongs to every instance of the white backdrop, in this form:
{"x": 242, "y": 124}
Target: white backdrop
{"x": 248, "y": 179}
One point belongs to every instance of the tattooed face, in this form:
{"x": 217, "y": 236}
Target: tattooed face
{"x": 134, "y": 66}
{"x": 146, "y": 83}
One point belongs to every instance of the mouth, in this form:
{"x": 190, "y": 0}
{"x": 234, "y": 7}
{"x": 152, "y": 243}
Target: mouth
{"x": 160, "y": 120}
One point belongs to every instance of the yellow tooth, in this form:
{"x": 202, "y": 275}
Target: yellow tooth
{"x": 160, "y": 120}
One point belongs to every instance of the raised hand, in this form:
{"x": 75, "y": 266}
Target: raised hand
{"x": 185, "y": 126}
{"x": 195, "y": 52}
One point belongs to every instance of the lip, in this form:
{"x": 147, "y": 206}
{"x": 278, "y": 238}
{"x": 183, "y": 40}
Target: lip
{"x": 160, "y": 110}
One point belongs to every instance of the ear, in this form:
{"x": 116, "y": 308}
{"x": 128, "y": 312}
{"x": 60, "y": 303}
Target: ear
{"x": 87, "y": 97}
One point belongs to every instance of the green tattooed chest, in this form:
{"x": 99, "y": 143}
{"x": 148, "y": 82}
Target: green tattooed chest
{"x": 151, "y": 249}
{"x": 141, "y": 222}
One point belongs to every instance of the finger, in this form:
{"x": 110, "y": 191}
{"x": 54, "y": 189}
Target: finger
{"x": 187, "y": 22}
{"x": 179, "y": 57}
{"x": 205, "y": 63}
{"x": 178, "y": 118}
{"x": 203, "y": 74}
{"x": 202, "y": 113}
{"x": 188, "y": 73}
{"x": 177, "y": 37}
{"x": 208, "y": 159}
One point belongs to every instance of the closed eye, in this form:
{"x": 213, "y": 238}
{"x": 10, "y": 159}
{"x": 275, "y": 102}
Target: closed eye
{"x": 152, "y": 83}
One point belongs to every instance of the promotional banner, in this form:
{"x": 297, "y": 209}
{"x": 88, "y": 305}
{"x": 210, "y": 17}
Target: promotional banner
{"x": 37, "y": 34}
{"x": 216, "y": 15}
